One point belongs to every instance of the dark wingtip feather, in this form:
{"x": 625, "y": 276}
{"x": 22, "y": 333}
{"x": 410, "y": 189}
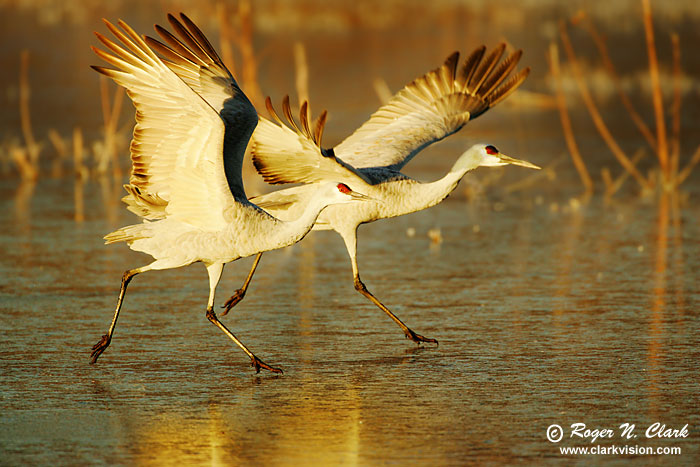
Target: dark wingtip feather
{"x": 452, "y": 61}
{"x": 508, "y": 87}
{"x": 449, "y": 71}
{"x": 287, "y": 110}
{"x": 304, "y": 119}
{"x": 167, "y": 52}
{"x": 100, "y": 69}
{"x": 319, "y": 126}
{"x": 177, "y": 45}
{"x": 470, "y": 65}
{"x": 201, "y": 39}
{"x": 271, "y": 110}
{"x": 487, "y": 64}
{"x": 500, "y": 73}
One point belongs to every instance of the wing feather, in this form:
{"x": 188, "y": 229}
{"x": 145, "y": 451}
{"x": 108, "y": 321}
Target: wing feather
{"x": 292, "y": 154}
{"x": 431, "y": 108}
{"x": 177, "y": 146}
{"x": 191, "y": 56}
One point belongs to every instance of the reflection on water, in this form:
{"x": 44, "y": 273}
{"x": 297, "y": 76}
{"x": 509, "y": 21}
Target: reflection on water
{"x": 543, "y": 317}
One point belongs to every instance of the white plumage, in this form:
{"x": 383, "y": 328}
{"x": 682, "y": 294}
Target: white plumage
{"x": 427, "y": 110}
{"x": 192, "y": 128}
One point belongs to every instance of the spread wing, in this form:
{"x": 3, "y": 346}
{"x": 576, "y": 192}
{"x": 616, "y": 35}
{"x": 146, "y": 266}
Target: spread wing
{"x": 178, "y": 142}
{"x": 291, "y": 154}
{"x": 431, "y": 108}
{"x": 191, "y": 56}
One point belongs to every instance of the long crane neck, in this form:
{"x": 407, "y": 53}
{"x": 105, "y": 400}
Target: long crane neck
{"x": 290, "y": 232}
{"x": 435, "y": 192}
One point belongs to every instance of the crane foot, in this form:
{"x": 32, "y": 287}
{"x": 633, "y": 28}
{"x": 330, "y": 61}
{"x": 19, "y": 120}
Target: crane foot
{"x": 417, "y": 338}
{"x": 231, "y": 302}
{"x": 257, "y": 364}
{"x": 100, "y": 347}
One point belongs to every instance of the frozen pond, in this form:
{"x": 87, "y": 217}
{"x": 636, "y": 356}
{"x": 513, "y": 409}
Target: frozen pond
{"x": 544, "y": 314}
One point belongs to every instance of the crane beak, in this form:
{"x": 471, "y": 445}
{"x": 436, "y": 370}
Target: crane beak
{"x": 360, "y": 197}
{"x": 510, "y": 160}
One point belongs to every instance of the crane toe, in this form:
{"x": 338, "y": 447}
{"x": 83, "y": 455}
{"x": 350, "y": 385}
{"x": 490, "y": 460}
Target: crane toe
{"x": 417, "y": 338}
{"x": 258, "y": 364}
{"x": 233, "y": 301}
{"x": 100, "y": 347}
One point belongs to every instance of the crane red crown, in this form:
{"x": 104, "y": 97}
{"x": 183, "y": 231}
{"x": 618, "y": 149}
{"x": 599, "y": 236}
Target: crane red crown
{"x": 491, "y": 150}
{"x": 343, "y": 188}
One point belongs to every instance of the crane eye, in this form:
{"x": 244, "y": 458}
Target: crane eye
{"x": 491, "y": 150}
{"x": 343, "y": 188}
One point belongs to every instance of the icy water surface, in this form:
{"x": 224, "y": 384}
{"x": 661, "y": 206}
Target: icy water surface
{"x": 545, "y": 315}
{"x": 547, "y": 312}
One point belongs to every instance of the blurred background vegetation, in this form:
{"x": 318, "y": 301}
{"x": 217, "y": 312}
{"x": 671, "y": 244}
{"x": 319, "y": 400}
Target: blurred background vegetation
{"x": 590, "y": 112}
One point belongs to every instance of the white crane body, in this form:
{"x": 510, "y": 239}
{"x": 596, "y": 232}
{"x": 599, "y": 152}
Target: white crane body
{"x": 192, "y": 130}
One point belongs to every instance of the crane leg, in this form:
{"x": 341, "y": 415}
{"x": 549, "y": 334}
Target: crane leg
{"x": 214, "y": 271}
{"x": 240, "y": 293}
{"x": 102, "y": 345}
{"x": 350, "y": 239}
{"x": 417, "y": 338}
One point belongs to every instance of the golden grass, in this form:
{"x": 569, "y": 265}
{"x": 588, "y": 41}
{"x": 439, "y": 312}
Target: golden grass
{"x": 661, "y": 141}
{"x": 667, "y": 150}
{"x": 302, "y": 74}
{"x": 27, "y": 157}
{"x": 236, "y": 39}
{"x": 595, "y": 114}
{"x": 249, "y": 61}
{"x": 566, "y": 121}
{"x": 106, "y": 152}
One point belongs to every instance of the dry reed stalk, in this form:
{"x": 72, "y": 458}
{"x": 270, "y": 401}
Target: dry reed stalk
{"x": 81, "y": 172}
{"x": 595, "y": 113}
{"x": 610, "y": 67}
{"x": 688, "y": 168}
{"x": 23, "y": 206}
{"x": 613, "y": 186}
{"x": 21, "y": 158}
{"x": 78, "y": 200}
{"x": 107, "y": 152}
{"x": 553, "y": 59}
{"x": 382, "y": 90}
{"x": 102, "y": 154}
{"x": 250, "y": 63}
{"x": 659, "y": 289}
{"x": 225, "y": 35}
{"x": 676, "y": 108}
{"x": 110, "y": 197}
{"x": 104, "y": 99}
{"x": 679, "y": 270}
{"x": 61, "y": 148}
{"x": 302, "y": 74}
{"x": 607, "y": 180}
{"x": 662, "y": 143}
{"x": 29, "y": 162}
{"x": 58, "y": 143}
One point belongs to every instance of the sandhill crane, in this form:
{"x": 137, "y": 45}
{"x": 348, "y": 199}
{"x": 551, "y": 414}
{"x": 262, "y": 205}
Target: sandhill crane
{"x": 427, "y": 110}
{"x": 186, "y": 154}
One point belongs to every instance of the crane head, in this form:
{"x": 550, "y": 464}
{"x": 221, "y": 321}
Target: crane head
{"x": 492, "y": 157}
{"x": 486, "y": 155}
{"x": 338, "y": 193}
